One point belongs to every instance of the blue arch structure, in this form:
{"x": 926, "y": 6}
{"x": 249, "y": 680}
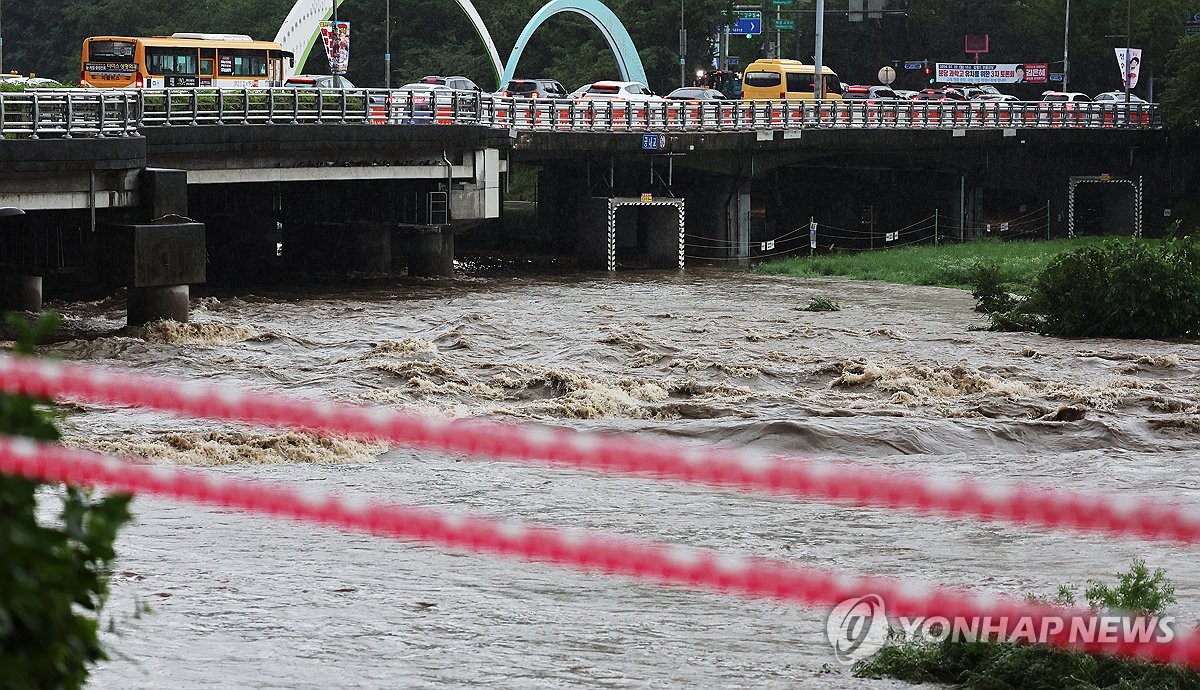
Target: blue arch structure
{"x": 628, "y": 61}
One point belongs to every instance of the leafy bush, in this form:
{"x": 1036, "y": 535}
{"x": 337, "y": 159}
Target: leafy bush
{"x": 53, "y": 579}
{"x": 1119, "y": 288}
{"x": 984, "y": 664}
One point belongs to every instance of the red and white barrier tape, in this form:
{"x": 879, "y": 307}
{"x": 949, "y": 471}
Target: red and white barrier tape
{"x": 637, "y": 558}
{"x": 1141, "y": 517}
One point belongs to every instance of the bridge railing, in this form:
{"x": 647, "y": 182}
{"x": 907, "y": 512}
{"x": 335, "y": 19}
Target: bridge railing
{"x": 104, "y": 112}
{"x": 618, "y": 116}
{"x": 66, "y": 113}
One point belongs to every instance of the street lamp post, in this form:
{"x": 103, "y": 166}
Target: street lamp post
{"x": 1066, "y": 43}
{"x": 387, "y": 46}
{"x": 818, "y": 76}
{"x": 682, "y": 47}
{"x": 1128, "y": 40}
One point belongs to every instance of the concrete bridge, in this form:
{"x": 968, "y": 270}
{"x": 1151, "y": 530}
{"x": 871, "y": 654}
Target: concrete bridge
{"x": 156, "y": 189}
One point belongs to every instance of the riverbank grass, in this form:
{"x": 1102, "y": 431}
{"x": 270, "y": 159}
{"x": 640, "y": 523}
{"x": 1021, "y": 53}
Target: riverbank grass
{"x": 946, "y": 265}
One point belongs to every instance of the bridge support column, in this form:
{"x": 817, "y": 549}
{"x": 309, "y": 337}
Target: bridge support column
{"x": 21, "y": 293}
{"x": 430, "y": 251}
{"x": 148, "y": 304}
{"x": 157, "y": 261}
{"x": 719, "y": 213}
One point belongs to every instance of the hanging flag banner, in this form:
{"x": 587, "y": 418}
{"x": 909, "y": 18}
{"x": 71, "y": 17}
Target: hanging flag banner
{"x": 337, "y": 45}
{"x": 1129, "y": 60}
{"x": 1010, "y": 73}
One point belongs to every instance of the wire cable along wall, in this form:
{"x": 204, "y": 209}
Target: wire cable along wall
{"x": 643, "y": 559}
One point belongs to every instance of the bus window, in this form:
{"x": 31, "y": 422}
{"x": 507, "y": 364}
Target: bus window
{"x": 110, "y": 51}
{"x": 208, "y": 56}
{"x": 243, "y": 63}
{"x": 161, "y": 61}
{"x": 832, "y": 84}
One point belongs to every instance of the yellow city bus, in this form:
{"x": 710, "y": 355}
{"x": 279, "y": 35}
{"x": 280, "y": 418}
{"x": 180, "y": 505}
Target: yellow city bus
{"x": 223, "y": 61}
{"x": 786, "y": 79}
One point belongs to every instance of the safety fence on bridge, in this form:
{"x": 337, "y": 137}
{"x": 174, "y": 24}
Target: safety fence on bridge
{"x": 103, "y": 112}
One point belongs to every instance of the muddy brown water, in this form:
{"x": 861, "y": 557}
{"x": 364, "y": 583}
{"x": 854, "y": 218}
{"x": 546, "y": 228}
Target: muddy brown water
{"x": 896, "y": 378}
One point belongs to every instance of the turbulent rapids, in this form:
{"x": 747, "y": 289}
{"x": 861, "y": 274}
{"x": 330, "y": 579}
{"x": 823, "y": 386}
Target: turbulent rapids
{"x": 898, "y": 377}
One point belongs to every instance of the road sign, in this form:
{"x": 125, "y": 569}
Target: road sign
{"x": 1056, "y": 76}
{"x": 913, "y": 65}
{"x": 1193, "y": 31}
{"x": 782, "y": 3}
{"x": 732, "y": 60}
{"x": 785, "y": 24}
{"x": 887, "y": 75}
{"x": 651, "y": 142}
{"x": 747, "y": 23}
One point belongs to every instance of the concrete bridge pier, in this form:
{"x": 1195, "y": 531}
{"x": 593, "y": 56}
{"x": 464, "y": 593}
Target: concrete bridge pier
{"x": 21, "y": 292}
{"x": 429, "y": 250}
{"x": 159, "y": 259}
{"x": 718, "y": 213}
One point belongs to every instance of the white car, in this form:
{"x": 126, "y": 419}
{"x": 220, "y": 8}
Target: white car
{"x": 1115, "y": 97}
{"x": 994, "y": 97}
{"x": 619, "y": 91}
{"x": 1065, "y": 97}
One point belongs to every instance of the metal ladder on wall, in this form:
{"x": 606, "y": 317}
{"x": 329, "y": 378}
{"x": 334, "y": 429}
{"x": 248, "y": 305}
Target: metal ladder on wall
{"x": 437, "y": 208}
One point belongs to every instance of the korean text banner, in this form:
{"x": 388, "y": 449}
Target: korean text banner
{"x": 337, "y": 45}
{"x": 1012, "y": 73}
{"x": 1129, "y": 72}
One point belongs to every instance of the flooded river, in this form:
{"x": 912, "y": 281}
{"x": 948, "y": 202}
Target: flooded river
{"x": 206, "y": 598}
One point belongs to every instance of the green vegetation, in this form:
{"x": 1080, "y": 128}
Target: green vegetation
{"x": 1181, "y": 108}
{"x": 988, "y": 664}
{"x": 822, "y": 304}
{"x": 1085, "y": 287}
{"x": 1119, "y": 288}
{"x": 947, "y": 265}
{"x": 53, "y": 579}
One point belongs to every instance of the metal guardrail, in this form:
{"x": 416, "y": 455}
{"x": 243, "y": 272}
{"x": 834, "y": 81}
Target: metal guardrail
{"x": 63, "y": 113}
{"x": 90, "y": 112}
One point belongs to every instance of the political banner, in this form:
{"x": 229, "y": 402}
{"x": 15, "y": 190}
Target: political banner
{"x": 337, "y": 45}
{"x": 1129, "y": 60}
{"x": 1010, "y": 73}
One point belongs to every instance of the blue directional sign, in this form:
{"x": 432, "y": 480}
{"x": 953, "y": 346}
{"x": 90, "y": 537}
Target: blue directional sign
{"x": 650, "y": 141}
{"x": 748, "y": 23}
{"x": 913, "y": 65}
{"x": 1056, "y": 76}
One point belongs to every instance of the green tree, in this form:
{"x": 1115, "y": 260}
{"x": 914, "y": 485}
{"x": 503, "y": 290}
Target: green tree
{"x": 53, "y": 579}
{"x": 1181, "y": 108}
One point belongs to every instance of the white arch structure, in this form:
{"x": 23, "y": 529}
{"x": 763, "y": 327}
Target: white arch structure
{"x": 301, "y": 30}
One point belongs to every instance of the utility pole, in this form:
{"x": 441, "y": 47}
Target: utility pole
{"x": 1, "y": 37}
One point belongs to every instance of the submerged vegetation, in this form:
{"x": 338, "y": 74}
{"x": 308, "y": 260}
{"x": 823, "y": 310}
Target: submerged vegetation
{"x": 987, "y": 664}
